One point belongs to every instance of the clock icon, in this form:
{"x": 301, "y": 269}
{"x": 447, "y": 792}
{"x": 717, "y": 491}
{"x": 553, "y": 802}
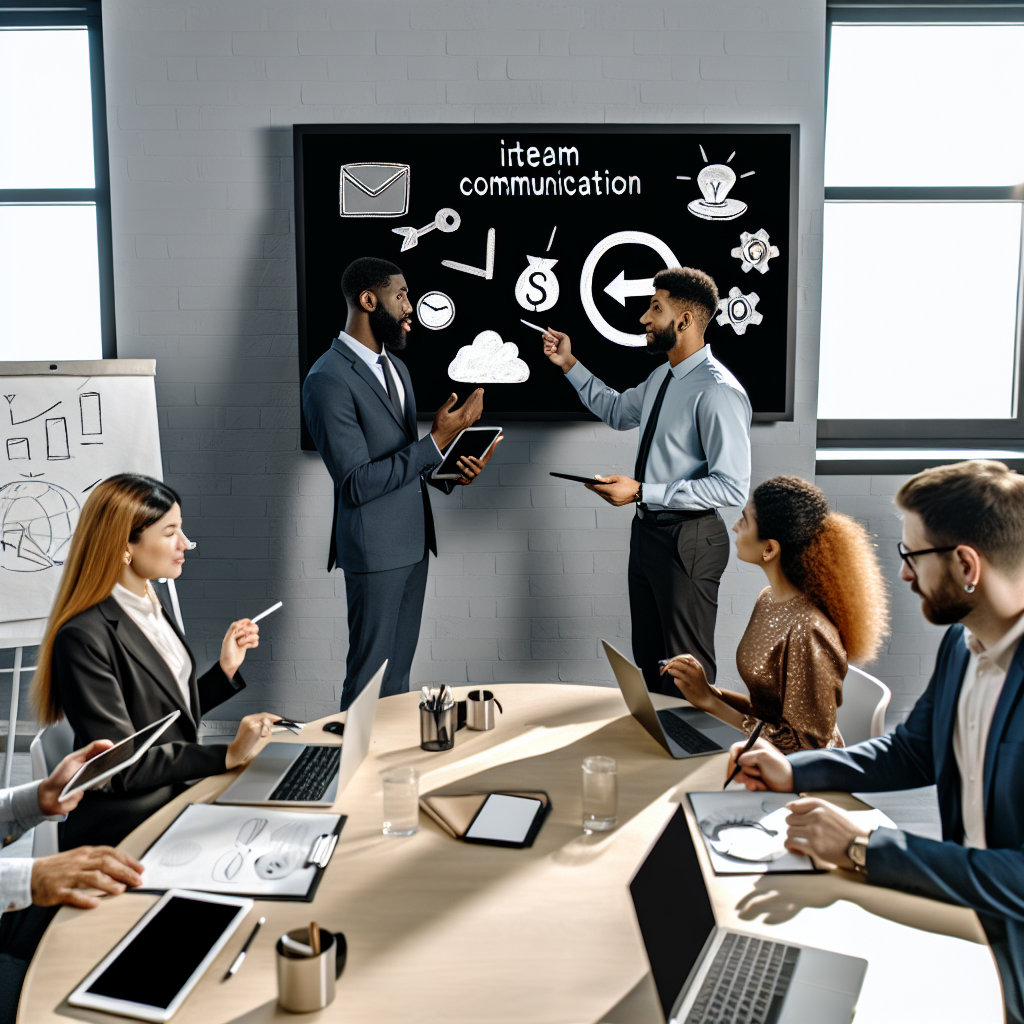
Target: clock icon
{"x": 435, "y": 310}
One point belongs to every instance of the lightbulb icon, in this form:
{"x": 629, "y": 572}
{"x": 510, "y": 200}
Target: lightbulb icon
{"x": 715, "y": 182}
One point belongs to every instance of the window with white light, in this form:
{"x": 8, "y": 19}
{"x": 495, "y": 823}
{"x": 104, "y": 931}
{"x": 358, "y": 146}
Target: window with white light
{"x": 56, "y": 291}
{"x": 922, "y": 250}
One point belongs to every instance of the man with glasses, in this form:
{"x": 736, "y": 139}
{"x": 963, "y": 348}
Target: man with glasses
{"x": 963, "y": 554}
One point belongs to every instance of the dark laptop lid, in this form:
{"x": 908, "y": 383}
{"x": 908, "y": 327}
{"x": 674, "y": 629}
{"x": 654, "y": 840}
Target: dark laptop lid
{"x": 673, "y": 908}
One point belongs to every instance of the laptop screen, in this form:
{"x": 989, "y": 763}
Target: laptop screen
{"x": 673, "y": 909}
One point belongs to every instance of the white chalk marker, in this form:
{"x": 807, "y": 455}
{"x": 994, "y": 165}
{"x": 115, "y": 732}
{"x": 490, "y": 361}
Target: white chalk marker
{"x": 543, "y": 330}
{"x": 262, "y": 615}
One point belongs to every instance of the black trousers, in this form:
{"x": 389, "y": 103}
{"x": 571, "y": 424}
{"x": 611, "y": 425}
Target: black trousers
{"x": 675, "y": 568}
{"x": 384, "y": 612}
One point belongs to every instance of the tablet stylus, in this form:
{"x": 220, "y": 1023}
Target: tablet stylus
{"x": 245, "y": 949}
{"x": 262, "y": 615}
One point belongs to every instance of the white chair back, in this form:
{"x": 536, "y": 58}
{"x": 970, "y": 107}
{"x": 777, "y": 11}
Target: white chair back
{"x": 49, "y": 747}
{"x": 861, "y": 716}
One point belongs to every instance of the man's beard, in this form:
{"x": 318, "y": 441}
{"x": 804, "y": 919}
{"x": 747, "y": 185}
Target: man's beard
{"x": 387, "y": 329}
{"x": 661, "y": 341}
{"x": 948, "y": 604}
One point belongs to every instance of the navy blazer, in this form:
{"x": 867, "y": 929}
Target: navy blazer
{"x": 382, "y": 513}
{"x": 920, "y": 753}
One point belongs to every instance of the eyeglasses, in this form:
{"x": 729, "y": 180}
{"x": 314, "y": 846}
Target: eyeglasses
{"x": 909, "y": 556}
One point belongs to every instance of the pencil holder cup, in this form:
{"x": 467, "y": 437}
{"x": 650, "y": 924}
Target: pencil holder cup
{"x": 480, "y": 705}
{"x": 306, "y": 983}
{"x": 438, "y": 728}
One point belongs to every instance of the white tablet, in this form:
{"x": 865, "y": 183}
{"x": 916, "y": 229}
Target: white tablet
{"x": 151, "y": 971}
{"x": 475, "y": 441}
{"x": 98, "y": 769}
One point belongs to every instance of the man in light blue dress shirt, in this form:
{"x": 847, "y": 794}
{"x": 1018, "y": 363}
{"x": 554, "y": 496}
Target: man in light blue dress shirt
{"x": 693, "y": 458}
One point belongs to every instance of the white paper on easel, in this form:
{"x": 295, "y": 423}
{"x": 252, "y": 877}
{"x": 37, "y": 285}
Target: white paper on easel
{"x": 255, "y": 851}
{"x": 745, "y": 833}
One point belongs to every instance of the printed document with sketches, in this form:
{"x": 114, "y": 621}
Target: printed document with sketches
{"x": 745, "y": 833}
{"x": 242, "y": 851}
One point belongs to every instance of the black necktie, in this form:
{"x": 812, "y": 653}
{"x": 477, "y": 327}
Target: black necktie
{"x": 391, "y": 385}
{"x": 652, "y": 422}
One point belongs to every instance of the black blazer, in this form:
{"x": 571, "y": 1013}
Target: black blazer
{"x": 382, "y": 515}
{"x": 112, "y": 682}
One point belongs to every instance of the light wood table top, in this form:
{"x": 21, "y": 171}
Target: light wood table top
{"x": 440, "y": 930}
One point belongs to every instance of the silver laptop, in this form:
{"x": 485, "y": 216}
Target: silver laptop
{"x": 683, "y": 732}
{"x": 309, "y": 775}
{"x": 707, "y": 975}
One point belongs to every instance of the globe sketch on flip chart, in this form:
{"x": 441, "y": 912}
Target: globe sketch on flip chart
{"x": 37, "y": 519}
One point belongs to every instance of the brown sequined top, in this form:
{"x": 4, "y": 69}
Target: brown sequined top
{"x": 793, "y": 661}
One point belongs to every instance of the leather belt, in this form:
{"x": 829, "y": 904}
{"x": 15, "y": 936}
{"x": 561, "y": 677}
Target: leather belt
{"x": 674, "y": 515}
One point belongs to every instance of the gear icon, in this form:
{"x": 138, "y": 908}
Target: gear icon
{"x": 739, "y": 310}
{"x": 755, "y": 251}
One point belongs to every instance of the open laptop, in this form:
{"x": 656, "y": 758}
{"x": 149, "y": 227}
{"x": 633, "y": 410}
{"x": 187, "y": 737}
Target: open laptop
{"x": 708, "y": 975}
{"x": 683, "y": 732}
{"x": 309, "y": 775}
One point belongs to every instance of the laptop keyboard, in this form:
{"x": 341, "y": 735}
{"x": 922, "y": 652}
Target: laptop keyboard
{"x": 693, "y": 741}
{"x": 310, "y": 774}
{"x": 747, "y": 983}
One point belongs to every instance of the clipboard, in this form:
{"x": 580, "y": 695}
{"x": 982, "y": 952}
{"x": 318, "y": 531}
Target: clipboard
{"x": 455, "y": 813}
{"x": 260, "y": 852}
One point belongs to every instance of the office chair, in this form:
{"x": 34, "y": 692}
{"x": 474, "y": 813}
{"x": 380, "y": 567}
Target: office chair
{"x": 49, "y": 747}
{"x": 861, "y": 716}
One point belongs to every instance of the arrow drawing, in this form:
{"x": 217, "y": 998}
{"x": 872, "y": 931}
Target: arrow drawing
{"x": 620, "y": 289}
{"x": 487, "y": 272}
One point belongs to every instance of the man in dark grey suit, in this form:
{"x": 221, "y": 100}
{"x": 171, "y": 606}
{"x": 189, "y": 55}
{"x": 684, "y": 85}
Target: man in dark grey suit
{"x": 359, "y": 406}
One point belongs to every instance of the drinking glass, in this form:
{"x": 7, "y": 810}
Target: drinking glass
{"x": 401, "y": 801}
{"x": 600, "y": 794}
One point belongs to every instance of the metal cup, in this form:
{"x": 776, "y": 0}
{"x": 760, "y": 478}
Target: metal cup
{"x": 480, "y": 706}
{"x": 437, "y": 728}
{"x": 306, "y": 983}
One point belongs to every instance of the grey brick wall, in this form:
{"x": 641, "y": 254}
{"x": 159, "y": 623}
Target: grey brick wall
{"x": 202, "y": 96}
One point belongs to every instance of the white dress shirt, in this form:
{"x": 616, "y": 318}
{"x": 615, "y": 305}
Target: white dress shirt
{"x": 370, "y": 357}
{"x": 19, "y": 811}
{"x": 983, "y": 682}
{"x": 148, "y": 614}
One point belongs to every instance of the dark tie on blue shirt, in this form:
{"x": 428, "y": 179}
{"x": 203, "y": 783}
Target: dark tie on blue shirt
{"x": 652, "y": 422}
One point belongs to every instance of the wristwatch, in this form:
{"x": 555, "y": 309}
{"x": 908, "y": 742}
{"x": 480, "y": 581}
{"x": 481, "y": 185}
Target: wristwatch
{"x": 857, "y": 851}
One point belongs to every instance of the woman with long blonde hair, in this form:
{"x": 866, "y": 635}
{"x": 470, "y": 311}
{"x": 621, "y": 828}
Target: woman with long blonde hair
{"x": 112, "y": 661}
{"x": 825, "y": 605}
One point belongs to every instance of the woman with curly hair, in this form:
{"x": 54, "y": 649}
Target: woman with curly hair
{"x": 825, "y": 605}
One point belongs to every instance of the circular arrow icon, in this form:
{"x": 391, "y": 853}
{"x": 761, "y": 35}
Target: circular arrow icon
{"x": 620, "y": 287}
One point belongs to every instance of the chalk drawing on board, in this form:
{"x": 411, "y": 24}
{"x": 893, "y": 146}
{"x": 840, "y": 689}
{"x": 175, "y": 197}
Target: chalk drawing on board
{"x": 715, "y": 182}
{"x": 537, "y": 287}
{"x": 487, "y": 271}
{"x": 619, "y": 288}
{"x": 489, "y": 360}
{"x": 551, "y": 240}
{"x": 374, "y": 189}
{"x": 90, "y": 410}
{"x": 37, "y": 519}
{"x": 446, "y": 220}
{"x": 739, "y": 310}
{"x": 435, "y": 310}
{"x": 57, "y": 448}
{"x": 755, "y": 250}
{"x": 17, "y": 448}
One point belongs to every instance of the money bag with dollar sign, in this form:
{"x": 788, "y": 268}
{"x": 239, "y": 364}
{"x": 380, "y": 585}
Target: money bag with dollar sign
{"x": 537, "y": 287}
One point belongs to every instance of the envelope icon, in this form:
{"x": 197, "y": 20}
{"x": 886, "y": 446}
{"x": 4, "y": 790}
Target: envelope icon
{"x": 374, "y": 190}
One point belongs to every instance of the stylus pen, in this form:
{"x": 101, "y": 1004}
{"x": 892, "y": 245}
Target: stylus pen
{"x": 245, "y": 949}
{"x": 750, "y": 743}
{"x": 262, "y": 615}
{"x": 543, "y": 330}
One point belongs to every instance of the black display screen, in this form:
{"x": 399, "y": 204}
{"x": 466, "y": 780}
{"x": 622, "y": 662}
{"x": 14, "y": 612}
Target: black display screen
{"x": 158, "y": 962}
{"x": 561, "y": 226}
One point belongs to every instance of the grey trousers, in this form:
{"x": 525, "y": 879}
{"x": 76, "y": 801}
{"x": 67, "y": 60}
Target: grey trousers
{"x": 384, "y": 612}
{"x": 675, "y": 568}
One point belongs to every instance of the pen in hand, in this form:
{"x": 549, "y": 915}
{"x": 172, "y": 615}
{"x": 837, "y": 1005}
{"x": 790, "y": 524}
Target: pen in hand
{"x": 245, "y": 949}
{"x": 749, "y": 744}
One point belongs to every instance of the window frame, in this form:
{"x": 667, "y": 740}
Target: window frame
{"x": 55, "y": 14}
{"x": 880, "y": 434}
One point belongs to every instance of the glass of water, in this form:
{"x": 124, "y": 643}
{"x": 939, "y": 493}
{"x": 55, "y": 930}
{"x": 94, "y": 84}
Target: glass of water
{"x": 401, "y": 801}
{"x": 600, "y": 794}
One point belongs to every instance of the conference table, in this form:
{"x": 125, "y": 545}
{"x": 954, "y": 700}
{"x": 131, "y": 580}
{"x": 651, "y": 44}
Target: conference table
{"x": 440, "y": 930}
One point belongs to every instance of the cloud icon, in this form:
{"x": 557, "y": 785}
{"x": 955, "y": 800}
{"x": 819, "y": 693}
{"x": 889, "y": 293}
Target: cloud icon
{"x": 488, "y": 360}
